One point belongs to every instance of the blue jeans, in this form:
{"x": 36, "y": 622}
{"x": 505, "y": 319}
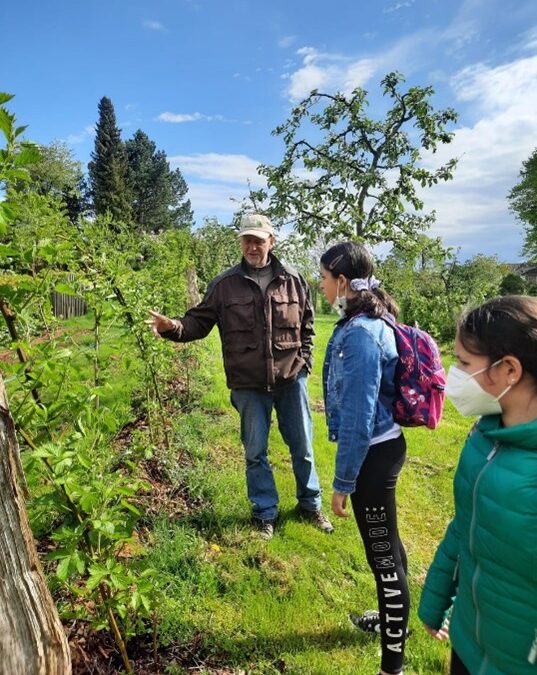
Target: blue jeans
{"x": 294, "y": 422}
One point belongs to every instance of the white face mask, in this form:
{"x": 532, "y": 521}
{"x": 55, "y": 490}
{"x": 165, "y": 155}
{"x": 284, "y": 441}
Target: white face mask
{"x": 340, "y": 303}
{"x": 468, "y": 396}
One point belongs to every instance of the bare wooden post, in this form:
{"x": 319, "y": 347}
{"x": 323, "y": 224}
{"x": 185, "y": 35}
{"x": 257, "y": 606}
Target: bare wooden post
{"x": 32, "y": 639}
{"x": 193, "y": 296}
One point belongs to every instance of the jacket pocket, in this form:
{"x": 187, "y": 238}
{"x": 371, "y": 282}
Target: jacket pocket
{"x": 238, "y": 314}
{"x": 285, "y": 322}
{"x": 285, "y": 312}
{"x": 239, "y": 342}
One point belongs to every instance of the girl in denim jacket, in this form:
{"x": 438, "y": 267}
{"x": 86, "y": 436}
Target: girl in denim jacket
{"x": 358, "y": 381}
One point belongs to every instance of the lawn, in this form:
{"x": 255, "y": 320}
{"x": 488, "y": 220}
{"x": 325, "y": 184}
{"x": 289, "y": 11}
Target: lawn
{"x": 249, "y": 606}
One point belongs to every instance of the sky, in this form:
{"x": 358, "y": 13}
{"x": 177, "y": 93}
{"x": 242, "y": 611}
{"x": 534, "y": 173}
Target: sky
{"x": 208, "y": 81}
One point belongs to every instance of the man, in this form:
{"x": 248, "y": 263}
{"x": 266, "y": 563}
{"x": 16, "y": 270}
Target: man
{"x": 263, "y": 311}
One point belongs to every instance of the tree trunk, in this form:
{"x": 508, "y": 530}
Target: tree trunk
{"x": 32, "y": 639}
{"x": 192, "y": 292}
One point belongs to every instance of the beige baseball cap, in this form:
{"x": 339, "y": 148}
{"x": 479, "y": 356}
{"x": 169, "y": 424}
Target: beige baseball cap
{"x": 256, "y": 225}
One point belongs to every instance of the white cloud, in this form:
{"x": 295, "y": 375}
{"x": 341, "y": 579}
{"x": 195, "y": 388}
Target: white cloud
{"x": 153, "y": 25}
{"x": 232, "y": 169}
{"x": 76, "y": 139}
{"x": 398, "y": 6}
{"x": 530, "y": 40}
{"x": 491, "y": 153}
{"x": 175, "y": 118}
{"x": 337, "y": 72}
{"x": 508, "y": 86}
{"x": 178, "y": 118}
{"x": 334, "y": 71}
{"x": 217, "y": 182}
{"x": 286, "y": 41}
{"x": 326, "y": 71}
{"x": 209, "y": 199}
{"x": 460, "y": 34}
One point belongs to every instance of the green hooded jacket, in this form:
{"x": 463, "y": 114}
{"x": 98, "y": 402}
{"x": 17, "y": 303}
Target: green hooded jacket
{"x": 488, "y": 557}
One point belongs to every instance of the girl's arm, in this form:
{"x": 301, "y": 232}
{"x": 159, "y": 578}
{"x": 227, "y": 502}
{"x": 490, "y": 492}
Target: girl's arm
{"x": 441, "y": 583}
{"x": 362, "y": 373}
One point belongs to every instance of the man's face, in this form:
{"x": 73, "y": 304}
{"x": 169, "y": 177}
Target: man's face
{"x": 256, "y": 250}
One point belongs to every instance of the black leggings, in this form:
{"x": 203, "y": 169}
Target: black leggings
{"x": 457, "y": 666}
{"x": 374, "y": 508}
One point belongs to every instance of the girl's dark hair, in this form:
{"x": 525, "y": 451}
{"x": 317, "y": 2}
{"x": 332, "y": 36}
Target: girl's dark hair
{"x": 505, "y": 326}
{"x": 355, "y": 262}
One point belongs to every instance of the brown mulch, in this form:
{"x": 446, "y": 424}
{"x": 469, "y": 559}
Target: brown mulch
{"x": 163, "y": 496}
{"x": 96, "y": 654}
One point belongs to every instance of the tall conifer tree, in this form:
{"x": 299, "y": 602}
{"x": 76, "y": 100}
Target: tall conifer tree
{"x": 157, "y": 192}
{"x": 108, "y": 169}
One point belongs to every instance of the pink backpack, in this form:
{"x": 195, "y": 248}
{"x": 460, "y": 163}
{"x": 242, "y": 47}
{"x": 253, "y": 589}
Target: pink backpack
{"x": 420, "y": 379}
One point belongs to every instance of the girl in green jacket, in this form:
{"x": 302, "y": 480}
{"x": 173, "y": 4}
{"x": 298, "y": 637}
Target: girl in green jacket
{"x": 487, "y": 560}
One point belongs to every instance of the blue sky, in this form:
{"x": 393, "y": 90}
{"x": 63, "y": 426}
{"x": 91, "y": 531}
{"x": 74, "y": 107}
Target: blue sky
{"x": 208, "y": 80}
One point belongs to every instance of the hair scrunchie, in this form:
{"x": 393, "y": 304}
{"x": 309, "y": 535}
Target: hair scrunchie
{"x": 368, "y": 284}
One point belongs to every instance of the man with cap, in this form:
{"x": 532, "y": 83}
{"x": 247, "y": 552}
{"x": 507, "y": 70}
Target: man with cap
{"x": 264, "y": 315}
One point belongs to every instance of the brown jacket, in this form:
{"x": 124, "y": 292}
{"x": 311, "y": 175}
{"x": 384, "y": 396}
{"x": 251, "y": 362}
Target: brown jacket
{"x": 266, "y": 341}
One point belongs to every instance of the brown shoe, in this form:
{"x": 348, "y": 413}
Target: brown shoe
{"x": 316, "y": 518}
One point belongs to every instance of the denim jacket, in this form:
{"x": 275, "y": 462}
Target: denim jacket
{"x": 358, "y": 386}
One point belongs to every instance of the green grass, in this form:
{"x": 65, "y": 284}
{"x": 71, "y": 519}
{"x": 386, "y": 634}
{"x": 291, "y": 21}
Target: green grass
{"x": 256, "y": 606}
{"x": 263, "y": 607}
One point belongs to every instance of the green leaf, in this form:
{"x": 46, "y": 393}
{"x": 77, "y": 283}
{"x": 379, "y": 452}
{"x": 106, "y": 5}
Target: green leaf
{"x": 88, "y": 501}
{"x": 107, "y": 527}
{"x": 97, "y": 574}
{"x": 79, "y": 562}
{"x": 146, "y": 602}
{"x": 7, "y": 251}
{"x": 45, "y": 451}
{"x": 5, "y": 97}
{"x": 149, "y": 572}
{"x": 84, "y": 460}
{"x": 62, "y": 571}
{"x": 65, "y": 288}
{"x": 131, "y": 507}
{"x": 119, "y": 581}
{"x": 80, "y": 426}
{"x": 10, "y": 210}
{"x": 28, "y": 154}
{"x": 6, "y": 124}
{"x": 135, "y": 600}
{"x": 58, "y": 554}
{"x": 16, "y": 174}
{"x": 121, "y": 610}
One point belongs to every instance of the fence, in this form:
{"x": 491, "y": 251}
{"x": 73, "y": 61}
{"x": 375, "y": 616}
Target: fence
{"x": 66, "y": 306}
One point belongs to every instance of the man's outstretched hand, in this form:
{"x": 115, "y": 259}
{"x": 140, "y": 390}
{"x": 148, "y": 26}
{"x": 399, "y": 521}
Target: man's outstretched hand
{"x": 159, "y": 323}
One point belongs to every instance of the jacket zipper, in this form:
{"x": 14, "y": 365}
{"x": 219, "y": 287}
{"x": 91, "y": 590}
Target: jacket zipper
{"x": 483, "y": 669}
{"x": 267, "y": 306}
{"x": 455, "y": 577}
{"x": 532, "y": 656}
{"x": 492, "y": 454}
